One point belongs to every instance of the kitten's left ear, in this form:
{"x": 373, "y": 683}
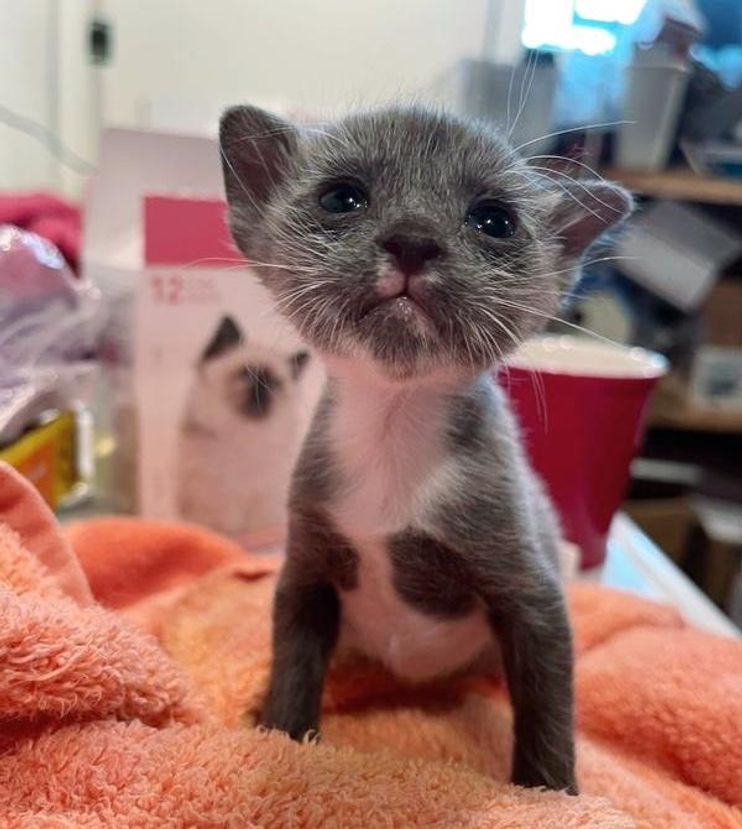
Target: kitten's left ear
{"x": 582, "y": 211}
{"x": 256, "y": 149}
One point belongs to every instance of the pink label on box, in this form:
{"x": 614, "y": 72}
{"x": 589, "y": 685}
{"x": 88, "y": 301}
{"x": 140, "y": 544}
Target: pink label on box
{"x": 187, "y": 232}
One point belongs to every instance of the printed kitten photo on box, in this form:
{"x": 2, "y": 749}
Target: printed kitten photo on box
{"x": 240, "y": 433}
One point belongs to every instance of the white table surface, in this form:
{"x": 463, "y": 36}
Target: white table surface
{"x": 634, "y": 563}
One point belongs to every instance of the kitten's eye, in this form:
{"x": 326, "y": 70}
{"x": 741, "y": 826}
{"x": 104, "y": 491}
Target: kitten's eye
{"x": 343, "y": 198}
{"x": 492, "y": 219}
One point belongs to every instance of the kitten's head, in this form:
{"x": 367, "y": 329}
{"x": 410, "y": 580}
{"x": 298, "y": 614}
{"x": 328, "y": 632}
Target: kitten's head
{"x": 241, "y": 382}
{"x": 406, "y": 237}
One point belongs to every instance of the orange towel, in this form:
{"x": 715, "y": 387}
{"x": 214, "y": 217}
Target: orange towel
{"x": 102, "y": 724}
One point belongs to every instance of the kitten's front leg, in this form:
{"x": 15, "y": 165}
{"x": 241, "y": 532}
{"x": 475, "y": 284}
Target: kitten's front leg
{"x": 536, "y": 644}
{"x": 306, "y": 616}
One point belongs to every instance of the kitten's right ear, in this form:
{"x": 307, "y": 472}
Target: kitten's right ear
{"x": 226, "y": 337}
{"x": 581, "y": 211}
{"x": 256, "y": 149}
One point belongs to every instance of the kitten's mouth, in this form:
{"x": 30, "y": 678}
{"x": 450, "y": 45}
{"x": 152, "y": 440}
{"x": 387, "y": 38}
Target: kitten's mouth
{"x": 404, "y": 309}
{"x": 401, "y": 298}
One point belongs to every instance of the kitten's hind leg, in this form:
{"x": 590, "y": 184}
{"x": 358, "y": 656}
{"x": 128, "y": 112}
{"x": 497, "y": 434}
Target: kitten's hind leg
{"x": 306, "y": 618}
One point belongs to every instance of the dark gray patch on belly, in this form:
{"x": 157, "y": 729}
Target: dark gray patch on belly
{"x": 430, "y": 576}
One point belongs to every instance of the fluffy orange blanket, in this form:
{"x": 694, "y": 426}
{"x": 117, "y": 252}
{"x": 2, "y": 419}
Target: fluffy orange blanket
{"x": 124, "y": 668}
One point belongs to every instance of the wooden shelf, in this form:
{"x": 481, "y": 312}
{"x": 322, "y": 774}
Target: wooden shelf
{"x": 679, "y": 184}
{"x": 698, "y": 419}
{"x": 673, "y": 409}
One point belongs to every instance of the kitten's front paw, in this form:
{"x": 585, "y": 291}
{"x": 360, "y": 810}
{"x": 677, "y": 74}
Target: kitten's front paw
{"x": 556, "y": 775}
{"x": 293, "y": 724}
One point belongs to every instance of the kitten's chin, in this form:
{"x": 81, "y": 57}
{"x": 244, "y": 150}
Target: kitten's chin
{"x": 383, "y": 363}
{"x": 405, "y": 357}
{"x": 397, "y": 341}
{"x": 397, "y": 317}
{"x": 364, "y": 367}
{"x": 405, "y": 372}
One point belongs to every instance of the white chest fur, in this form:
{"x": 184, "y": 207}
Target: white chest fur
{"x": 395, "y": 466}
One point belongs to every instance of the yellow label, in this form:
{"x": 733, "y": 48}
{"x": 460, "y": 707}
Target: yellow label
{"x": 46, "y": 456}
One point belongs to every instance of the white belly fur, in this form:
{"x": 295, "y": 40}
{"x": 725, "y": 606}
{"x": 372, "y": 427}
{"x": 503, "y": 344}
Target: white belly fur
{"x": 413, "y": 645}
{"x": 396, "y": 467}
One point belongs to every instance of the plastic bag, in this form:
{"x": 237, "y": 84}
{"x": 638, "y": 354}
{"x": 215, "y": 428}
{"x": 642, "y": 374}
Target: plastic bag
{"x": 49, "y": 321}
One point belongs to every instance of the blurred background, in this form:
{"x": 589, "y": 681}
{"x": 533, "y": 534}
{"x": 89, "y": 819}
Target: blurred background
{"x": 648, "y": 92}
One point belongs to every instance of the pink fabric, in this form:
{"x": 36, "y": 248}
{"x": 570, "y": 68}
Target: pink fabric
{"x": 102, "y": 724}
{"x": 51, "y": 217}
{"x": 24, "y": 512}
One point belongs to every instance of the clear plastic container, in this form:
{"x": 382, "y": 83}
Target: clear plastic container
{"x": 656, "y": 81}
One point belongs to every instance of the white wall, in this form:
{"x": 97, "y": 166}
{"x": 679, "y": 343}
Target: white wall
{"x": 45, "y": 79}
{"x": 177, "y": 63}
{"x": 79, "y": 94}
{"x": 25, "y": 64}
{"x": 181, "y": 62}
{"x": 502, "y": 38}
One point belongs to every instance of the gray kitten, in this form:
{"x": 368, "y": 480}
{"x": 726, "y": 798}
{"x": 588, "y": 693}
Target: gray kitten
{"x": 412, "y": 251}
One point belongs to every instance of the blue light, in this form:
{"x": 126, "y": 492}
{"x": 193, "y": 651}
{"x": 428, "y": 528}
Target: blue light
{"x": 624, "y": 12}
{"x": 568, "y": 24}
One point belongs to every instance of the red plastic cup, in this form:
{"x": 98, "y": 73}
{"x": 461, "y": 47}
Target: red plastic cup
{"x": 581, "y": 408}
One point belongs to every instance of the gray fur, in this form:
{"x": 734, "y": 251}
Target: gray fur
{"x": 431, "y": 576}
{"x": 492, "y": 542}
{"x": 421, "y": 167}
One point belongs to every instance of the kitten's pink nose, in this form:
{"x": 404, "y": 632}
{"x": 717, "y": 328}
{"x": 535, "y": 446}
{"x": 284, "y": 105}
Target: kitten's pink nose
{"x": 411, "y": 252}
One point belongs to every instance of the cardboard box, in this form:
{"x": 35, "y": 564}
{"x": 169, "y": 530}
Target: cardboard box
{"x": 208, "y": 391}
{"x": 716, "y": 377}
{"x": 667, "y": 521}
{"x": 716, "y": 551}
{"x": 721, "y": 316}
{"x": 677, "y": 252}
